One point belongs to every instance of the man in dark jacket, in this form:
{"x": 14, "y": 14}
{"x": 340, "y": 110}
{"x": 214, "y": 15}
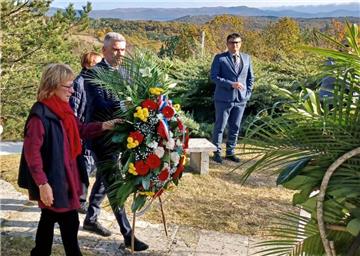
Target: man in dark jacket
{"x": 86, "y": 161}
{"x": 99, "y": 101}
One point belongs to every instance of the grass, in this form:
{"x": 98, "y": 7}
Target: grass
{"x": 215, "y": 202}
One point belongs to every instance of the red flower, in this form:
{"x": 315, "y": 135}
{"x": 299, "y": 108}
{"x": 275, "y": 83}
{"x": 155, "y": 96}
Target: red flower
{"x": 164, "y": 174}
{"x": 179, "y": 169}
{"x": 153, "y": 161}
{"x": 137, "y": 136}
{"x": 149, "y": 104}
{"x": 141, "y": 168}
{"x": 180, "y": 125}
{"x": 168, "y": 112}
{"x": 161, "y": 130}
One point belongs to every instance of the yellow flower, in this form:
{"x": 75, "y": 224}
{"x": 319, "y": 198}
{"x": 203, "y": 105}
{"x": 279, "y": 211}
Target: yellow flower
{"x": 132, "y": 143}
{"x": 132, "y": 169}
{"x": 176, "y": 107}
{"x": 142, "y": 114}
{"x": 156, "y": 90}
{"x": 147, "y": 193}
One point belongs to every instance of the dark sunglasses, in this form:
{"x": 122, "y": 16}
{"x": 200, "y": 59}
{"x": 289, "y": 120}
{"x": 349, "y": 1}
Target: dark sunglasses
{"x": 234, "y": 42}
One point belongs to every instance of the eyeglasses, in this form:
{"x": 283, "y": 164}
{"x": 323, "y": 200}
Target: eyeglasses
{"x": 68, "y": 87}
{"x": 234, "y": 42}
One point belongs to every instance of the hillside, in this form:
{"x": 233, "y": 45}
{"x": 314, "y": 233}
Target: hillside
{"x": 166, "y": 14}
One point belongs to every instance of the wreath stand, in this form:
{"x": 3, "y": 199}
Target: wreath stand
{"x": 134, "y": 220}
{"x": 329, "y": 245}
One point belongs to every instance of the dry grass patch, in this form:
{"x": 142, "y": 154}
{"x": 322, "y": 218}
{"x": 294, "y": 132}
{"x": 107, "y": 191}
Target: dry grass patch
{"x": 219, "y": 202}
{"x": 9, "y": 167}
{"x": 215, "y": 202}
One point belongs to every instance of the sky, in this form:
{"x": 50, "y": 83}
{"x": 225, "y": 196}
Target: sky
{"x": 112, "y": 4}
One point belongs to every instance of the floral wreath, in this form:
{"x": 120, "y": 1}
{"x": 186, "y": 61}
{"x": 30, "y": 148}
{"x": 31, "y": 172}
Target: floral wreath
{"x": 155, "y": 147}
{"x": 152, "y": 142}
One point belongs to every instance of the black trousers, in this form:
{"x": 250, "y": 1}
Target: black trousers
{"x": 69, "y": 226}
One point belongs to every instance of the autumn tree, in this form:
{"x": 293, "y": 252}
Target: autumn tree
{"x": 282, "y": 37}
{"x": 188, "y": 45}
{"x": 253, "y": 43}
{"x": 218, "y": 28}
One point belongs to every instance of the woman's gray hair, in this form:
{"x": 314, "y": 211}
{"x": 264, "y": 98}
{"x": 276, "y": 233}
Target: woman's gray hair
{"x": 113, "y": 36}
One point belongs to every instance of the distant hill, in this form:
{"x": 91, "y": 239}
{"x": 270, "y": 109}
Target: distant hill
{"x": 260, "y": 22}
{"x": 198, "y": 19}
{"x": 318, "y": 8}
{"x": 166, "y": 14}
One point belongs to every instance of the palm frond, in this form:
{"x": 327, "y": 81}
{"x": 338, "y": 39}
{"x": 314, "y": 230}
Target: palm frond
{"x": 300, "y": 139}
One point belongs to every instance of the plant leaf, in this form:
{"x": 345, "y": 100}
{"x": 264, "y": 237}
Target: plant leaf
{"x": 138, "y": 203}
{"x": 292, "y": 170}
{"x": 354, "y": 226}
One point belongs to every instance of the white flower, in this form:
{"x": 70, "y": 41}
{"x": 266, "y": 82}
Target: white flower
{"x": 159, "y": 151}
{"x": 170, "y": 144}
{"x": 166, "y": 166}
{"x": 178, "y": 143}
{"x": 160, "y": 116}
{"x": 172, "y": 85}
{"x": 145, "y": 72}
{"x": 175, "y": 158}
{"x": 153, "y": 144}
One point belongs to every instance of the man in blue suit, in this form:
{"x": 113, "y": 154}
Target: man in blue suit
{"x": 232, "y": 73}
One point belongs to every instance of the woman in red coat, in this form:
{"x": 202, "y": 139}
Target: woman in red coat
{"x": 48, "y": 167}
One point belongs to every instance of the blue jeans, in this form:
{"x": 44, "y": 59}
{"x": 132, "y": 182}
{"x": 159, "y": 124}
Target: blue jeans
{"x": 97, "y": 195}
{"x": 227, "y": 113}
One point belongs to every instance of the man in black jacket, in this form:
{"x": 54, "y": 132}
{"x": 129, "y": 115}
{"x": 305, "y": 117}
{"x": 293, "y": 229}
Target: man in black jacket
{"x": 99, "y": 101}
{"x": 86, "y": 161}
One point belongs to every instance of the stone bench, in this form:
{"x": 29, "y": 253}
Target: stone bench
{"x": 199, "y": 149}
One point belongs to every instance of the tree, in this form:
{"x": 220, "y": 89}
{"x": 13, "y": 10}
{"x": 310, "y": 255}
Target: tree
{"x": 282, "y": 37}
{"x": 217, "y": 30}
{"x": 169, "y": 46}
{"x": 188, "y": 42}
{"x": 30, "y": 40}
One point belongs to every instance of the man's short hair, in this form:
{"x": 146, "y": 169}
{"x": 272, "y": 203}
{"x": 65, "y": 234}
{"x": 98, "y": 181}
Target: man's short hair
{"x": 233, "y": 36}
{"x": 113, "y": 36}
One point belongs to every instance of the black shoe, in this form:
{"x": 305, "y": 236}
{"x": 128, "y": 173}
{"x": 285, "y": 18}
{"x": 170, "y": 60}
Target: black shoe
{"x": 138, "y": 245}
{"x": 233, "y": 158}
{"x": 96, "y": 228}
{"x": 83, "y": 207}
{"x": 217, "y": 158}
